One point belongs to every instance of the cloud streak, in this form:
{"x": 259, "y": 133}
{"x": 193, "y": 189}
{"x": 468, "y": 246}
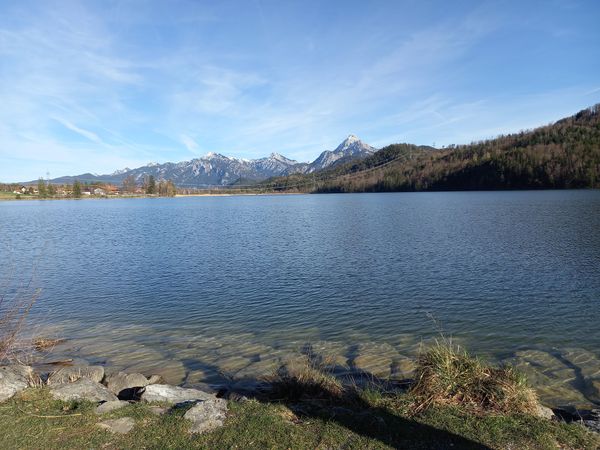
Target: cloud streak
{"x": 243, "y": 80}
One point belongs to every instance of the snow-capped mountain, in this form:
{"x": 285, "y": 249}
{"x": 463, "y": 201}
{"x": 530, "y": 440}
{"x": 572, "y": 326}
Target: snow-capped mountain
{"x": 217, "y": 169}
{"x": 351, "y": 148}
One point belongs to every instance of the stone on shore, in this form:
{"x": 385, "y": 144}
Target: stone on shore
{"x": 74, "y": 373}
{"x": 107, "y": 407}
{"x": 544, "y": 412}
{"x": 82, "y": 389}
{"x": 13, "y": 379}
{"x": 123, "y": 384}
{"x": 172, "y": 394}
{"x": 119, "y": 426}
{"x": 207, "y": 415}
{"x": 158, "y": 410}
{"x": 155, "y": 379}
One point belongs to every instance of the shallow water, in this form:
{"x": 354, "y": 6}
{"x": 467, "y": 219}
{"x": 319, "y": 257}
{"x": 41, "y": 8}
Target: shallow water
{"x": 209, "y": 289}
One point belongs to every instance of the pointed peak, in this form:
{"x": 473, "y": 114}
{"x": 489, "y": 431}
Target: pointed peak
{"x": 278, "y": 156}
{"x": 352, "y": 138}
{"x": 212, "y": 155}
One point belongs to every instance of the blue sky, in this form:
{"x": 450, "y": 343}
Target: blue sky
{"x": 98, "y": 86}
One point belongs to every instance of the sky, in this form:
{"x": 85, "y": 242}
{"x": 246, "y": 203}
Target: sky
{"x": 98, "y": 86}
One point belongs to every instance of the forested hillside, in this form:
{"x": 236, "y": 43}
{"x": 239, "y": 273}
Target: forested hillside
{"x": 565, "y": 154}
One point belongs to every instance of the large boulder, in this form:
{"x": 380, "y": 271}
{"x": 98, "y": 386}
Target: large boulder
{"x": 172, "y": 394}
{"x": 126, "y": 385}
{"x": 207, "y": 415}
{"x": 74, "y": 373}
{"x": 13, "y": 379}
{"x": 82, "y": 389}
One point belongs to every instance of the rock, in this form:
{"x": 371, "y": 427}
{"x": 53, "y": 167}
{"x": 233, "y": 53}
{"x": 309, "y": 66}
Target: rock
{"x": 207, "y": 415}
{"x": 171, "y": 371}
{"x": 259, "y": 369}
{"x": 107, "y": 407}
{"x": 544, "y": 412}
{"x": 125, "y": 385}
{"x": 13, "y": 379}
{"x": 379, "y": 366}
{"x": 552, "y": 379}
{"x": 82, "y": 389}
{"x": 158, "y": 410}
{"x": 233, "y": 364}
{"x": 172, "y": 394}
{"x": 155, "y": 379}
{"x": 119, "y": 426}
{"x": 595, "y": 389}
{"x": 195, "y": 376}
{"x": 74, "y": 373}
{"x": 236, "y": 397}
{"x": 403, "y": 368}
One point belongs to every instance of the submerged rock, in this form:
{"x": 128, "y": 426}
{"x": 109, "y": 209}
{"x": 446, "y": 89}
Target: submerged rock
{"x": 13, "y": 379}
{"x": 207, "y": 415}
{"x": 172, "y": 394}
{"x": 74, "y": 373}
{"x": 552, "y": 378}
{"x": 82, "y": 389}
{"x": 403, "y": 368}
{"x": 374, "y": 358}
{"x": 379, "y": 366}
{"x": 171, "y": 371}
{"x": 119, "y": 426}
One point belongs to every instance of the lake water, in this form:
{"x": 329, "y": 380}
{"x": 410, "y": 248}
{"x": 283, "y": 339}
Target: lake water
{"x": 226, "y": 289}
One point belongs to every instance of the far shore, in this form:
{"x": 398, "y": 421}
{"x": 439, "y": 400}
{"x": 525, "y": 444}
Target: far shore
{"x": 12, "y": 197}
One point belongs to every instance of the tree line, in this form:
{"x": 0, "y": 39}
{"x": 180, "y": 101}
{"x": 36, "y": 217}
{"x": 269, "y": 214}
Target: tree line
{"x": 45, "y": 189}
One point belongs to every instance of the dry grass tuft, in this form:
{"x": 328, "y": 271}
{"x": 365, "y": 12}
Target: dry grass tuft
{"x": 13, "y": 314}
{"x": 448, "y": 375}
{"x": 41, "y": 344}
{"x": 304, "y": 381}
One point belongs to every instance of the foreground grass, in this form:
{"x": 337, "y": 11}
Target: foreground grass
{"x": 33, "y": 420}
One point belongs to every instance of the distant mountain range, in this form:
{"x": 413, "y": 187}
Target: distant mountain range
{"x": 217, "y": 169}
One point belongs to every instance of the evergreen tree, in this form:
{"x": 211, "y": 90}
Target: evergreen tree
{"x": 76, "y": 189}
{"x": 42, "y": 192}
{"x": 151, "y": 185}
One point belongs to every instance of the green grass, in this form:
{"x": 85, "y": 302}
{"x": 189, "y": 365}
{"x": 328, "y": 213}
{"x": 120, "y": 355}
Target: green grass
{"x": 370, "y": 420}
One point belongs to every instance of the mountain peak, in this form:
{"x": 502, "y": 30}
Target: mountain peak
{"x": 278, "y": 157}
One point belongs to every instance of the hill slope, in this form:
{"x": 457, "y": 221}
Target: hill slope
{"x": 565, "y": 154}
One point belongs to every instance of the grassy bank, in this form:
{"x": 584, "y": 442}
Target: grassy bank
{"x": 33, "y": 420}
{"x": 456, "y": 401}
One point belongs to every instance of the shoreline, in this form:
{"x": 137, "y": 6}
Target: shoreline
{"x": 136, "y": 197}
{"x": 137, "y": 406}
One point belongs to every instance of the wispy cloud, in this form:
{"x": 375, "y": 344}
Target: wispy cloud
{"x": 85, "y": 133}
{"x": 189, "y": 143}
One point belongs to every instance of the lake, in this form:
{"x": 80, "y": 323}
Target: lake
{"x": 215, "y": 290}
